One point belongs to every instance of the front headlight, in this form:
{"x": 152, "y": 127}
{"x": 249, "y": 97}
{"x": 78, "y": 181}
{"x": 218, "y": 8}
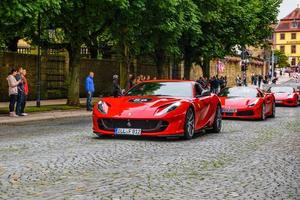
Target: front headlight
{"x": 168, "y": 109}
{"x": 102, "y": 107}
{"x": 253, "y": 103}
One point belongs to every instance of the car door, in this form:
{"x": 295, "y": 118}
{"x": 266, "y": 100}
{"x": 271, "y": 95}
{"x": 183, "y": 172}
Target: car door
{"x": 202, "y": 106}
{"x": 268, "y": 99}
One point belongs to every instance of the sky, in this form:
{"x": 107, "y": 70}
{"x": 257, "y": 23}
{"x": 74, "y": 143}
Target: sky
{"x": 286, "y": 7}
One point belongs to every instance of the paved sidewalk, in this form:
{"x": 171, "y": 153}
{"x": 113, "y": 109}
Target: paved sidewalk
{"x": 45, "y": 102}
{"x": 39, "y": 116}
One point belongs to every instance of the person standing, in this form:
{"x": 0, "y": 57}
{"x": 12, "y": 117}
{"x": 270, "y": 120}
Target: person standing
{"x": 260, "y": 78}
{"x": 116, "y": 87}
{"x": 90, "y": 89}
{"x": 252, "y": 78}
{"x": 12, "y": 91}
{"x": 21, "y": 94}
{"x": 129, "y": 82}
{"x": 25, "y": 82}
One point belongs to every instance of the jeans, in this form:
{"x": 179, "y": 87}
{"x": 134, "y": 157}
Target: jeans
{"x": 89, "y": 99}
{"x": 20, "y": 100}
{"x": 12, "y": 102}
{"x": 23, "y": 103}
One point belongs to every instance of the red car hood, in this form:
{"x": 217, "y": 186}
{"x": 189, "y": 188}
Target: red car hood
{"x": 236, "y": 102}
{"x": 281, "y": 96}
{"x": 137, "y": 106}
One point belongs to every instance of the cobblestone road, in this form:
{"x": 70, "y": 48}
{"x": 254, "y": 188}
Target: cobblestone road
{"x": 62, "y": 159}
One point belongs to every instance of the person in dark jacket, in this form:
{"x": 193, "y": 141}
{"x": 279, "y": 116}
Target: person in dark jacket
{"x": 129, "y": 83}
{"x": 90, "y": 89}
{"x": 116, "y": 87}
{"x": 21, "y": 92}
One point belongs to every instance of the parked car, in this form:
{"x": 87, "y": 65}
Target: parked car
{"x": 159, "y": 108}
{"x": 247, "y": 103}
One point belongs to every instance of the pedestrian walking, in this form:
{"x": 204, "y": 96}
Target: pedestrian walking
{"x": 116, "y": 87}
{"x": 21, "y": 93}
{"x": 25, "y": 82}
{"x": 90, "y": 89}
{"x": 12, "y": 91}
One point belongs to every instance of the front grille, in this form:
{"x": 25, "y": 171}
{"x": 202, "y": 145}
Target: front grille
{"x": 145, "y": 125}
{"x": 228, "y": 114}
{"x": 245, "y": 113}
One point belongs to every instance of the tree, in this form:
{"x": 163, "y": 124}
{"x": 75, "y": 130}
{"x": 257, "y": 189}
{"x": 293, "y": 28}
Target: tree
{"x": 228, "y": 23}
{"x": 160, "y": 30}
{"x": 282, "y": 59}
{"x": 18, "y": 19}
{"x": 82, "y": 21}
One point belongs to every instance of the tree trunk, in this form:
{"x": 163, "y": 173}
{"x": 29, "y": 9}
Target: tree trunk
{"x": 160, "y": 59}
{"x": 187, "y": 67}
{"x": 74, "y": 68}
{"x": 206, "y": 67}
{"x": 12, "y": 45}
{"x": 93, "y": 51}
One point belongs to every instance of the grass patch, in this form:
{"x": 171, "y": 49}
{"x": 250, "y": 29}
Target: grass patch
{"x": 33, "y": 109}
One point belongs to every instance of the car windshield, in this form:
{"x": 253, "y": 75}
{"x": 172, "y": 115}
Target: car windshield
{"x": 175, "y": 89}
{"x": 288, "y": 90}
{"x": 244, "y": 92}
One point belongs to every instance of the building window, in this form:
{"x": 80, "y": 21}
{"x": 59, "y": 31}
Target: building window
{"x": 293, "y": 49}
{"x": 293, "y": 36}
{"x": 293, "y": 61}
{"x": 282, "y": 49}
{"x": 294, "y": 24}
{"x": 282, "y": 36}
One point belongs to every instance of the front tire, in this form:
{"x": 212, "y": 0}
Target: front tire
{"x": 263, "y": 112}
{"x": 273, "y": 110}
{"x": 189, "y": 125}
{"x": 217, "y": 125}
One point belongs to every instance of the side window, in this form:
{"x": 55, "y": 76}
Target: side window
{"x": 198, "y": 89}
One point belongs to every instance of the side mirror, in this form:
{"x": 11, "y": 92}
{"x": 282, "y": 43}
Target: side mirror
{"x": 204, "y": 93}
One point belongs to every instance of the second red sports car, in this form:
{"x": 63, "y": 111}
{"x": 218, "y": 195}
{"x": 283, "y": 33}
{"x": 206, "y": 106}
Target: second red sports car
{"x": 285, "y": 95}
{"x": 159, "y": 108}
{"x": 247, "y": 103}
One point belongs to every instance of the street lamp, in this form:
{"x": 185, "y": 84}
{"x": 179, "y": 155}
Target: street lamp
{"x": 38, "y": 67}
{"x": 244, "y": 64}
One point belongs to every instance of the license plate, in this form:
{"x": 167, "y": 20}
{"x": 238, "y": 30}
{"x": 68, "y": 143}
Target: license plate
{"x": 128, "y": 131}
{"x": 229, "y": 110}
{"x": 278, "y": 101}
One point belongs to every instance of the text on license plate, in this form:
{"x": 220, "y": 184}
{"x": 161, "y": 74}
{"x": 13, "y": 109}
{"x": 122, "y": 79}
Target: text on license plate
{"x": 278, "y": 101}
{"x": 128, "y": 131}
{"x": 227, "y": 110}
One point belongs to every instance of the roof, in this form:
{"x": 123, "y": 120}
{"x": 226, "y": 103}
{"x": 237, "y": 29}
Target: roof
{"x": 285, "y": 24}
{"x": 295, "y": 14}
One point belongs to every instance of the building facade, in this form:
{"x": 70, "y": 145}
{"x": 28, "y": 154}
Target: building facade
{"x": 287, "y": 37}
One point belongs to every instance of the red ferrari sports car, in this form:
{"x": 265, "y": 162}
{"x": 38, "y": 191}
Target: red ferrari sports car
{"x": 247, "y": 103}
{"x": 159, "y": 108}
{"x": 285, "y": 95}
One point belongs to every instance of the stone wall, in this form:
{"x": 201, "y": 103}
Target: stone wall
{"x": 54, "y": 73}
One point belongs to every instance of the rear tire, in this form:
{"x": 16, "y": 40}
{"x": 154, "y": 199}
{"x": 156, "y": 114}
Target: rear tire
{"x": 189, "y": 124}
{"x": 217, "y": 125}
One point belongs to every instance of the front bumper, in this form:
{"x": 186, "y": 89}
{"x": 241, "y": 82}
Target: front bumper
{"x": 172, "y": 126}
{"x": 287, "y": 102}
{"x": 243, "y": 113}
